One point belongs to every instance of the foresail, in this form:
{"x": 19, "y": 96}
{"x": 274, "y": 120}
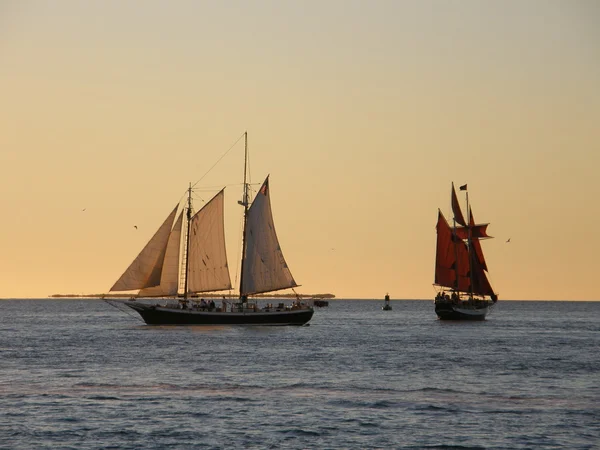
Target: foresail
{"x": 265, "y": 269}
{"x": 169, "y": 278}
{"x": 146, "y": 268}
{"x": 207, "y": 261}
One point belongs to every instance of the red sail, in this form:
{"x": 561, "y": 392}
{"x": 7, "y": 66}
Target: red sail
{"x": 458, "y": 215}
{"x": 481, "y": 285}
{"x": 475, "y": 241}
{"x": 451, "y": 254}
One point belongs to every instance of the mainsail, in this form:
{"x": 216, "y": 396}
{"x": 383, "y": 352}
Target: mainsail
{"x": 207, "y": 262}
{"x": 146, "y": 268}
{"x": 264, "y": 267}
{"x": 452, "y": 258}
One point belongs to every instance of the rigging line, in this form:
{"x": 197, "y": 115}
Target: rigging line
{"x": 135, "y": 316}
{"x": 181, "y": 198}
{"x": 197, "y": 197}
{"x": 219, "y": 160}
{"x": 220, "y": 187}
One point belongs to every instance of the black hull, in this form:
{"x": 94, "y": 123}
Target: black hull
{"x": 156, "y": 315}
{"x": 450, "y": 312}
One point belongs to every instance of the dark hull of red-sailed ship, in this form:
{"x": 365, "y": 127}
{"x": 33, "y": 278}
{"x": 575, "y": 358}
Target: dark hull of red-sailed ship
{"x": 460, "y": 267}
{"x": 467, "y": 310}
{"x": 159, "y": 315}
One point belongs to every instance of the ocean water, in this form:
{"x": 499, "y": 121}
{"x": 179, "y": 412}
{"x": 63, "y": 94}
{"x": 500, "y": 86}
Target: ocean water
{"x": 80, "y": 374}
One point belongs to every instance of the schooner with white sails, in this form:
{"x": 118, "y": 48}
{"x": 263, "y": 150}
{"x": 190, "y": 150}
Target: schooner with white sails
{"x": 192, "y": 246}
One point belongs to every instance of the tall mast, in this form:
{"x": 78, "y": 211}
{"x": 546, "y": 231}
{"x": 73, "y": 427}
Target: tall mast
{"x": 469, "y": 242}
{"x": 244, "y": 203}
{"x": 455, "y": 254}
{"x": 187, "y": 242}
{"x": 455, "y": 244}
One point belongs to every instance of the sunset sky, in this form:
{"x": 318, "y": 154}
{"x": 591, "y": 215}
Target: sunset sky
{"x": 363, "y": 113}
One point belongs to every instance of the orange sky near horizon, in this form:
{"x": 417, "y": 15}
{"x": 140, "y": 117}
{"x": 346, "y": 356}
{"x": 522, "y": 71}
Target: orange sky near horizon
{"x": 363, "y": 113}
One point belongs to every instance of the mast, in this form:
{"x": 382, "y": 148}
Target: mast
{"x": 455, "y": 255}
{"x": 244, "y": 203}
{"x": 470, "y": 248}
{"x": 454, "y": 237}
{"x": 187, "y": 242}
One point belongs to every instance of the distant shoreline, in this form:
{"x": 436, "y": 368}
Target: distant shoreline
{"x": 206, "y": 295}
{"x": 333, "y": 298}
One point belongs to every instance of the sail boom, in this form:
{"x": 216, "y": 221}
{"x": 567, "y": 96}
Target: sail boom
{"x": 207, "y": 290}
{"x": 271, "y": 290}
{"x": 154, "y": 295}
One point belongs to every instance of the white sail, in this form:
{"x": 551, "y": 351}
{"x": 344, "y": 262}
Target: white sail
{"x": 146, "y": 268}
{"x": 207, "y": 260}
{"x": 169, "y": 278}
{"x": 264, "y": 267}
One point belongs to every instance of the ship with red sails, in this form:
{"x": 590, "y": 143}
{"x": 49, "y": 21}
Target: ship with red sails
{"x": 463, "y": 288}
